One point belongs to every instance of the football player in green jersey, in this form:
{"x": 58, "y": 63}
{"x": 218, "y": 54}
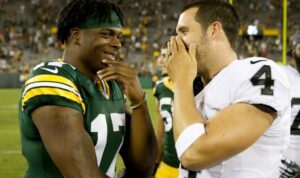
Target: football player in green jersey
{"x": 72, "y": 115}
{"x": 167, "y": 159}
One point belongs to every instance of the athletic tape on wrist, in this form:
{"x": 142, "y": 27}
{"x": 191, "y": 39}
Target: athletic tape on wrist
{"x": 187, "y": 137}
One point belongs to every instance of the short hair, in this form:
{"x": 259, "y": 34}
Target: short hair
{"x": 77, "y": 11}
{"x": 210, "y": 11}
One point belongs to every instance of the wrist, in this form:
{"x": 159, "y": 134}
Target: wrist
{"x": 140, "y": 102}
{"x": 183, "y": 87}
{"x": 183, "y": 84}
{"x": 188, "y": 136}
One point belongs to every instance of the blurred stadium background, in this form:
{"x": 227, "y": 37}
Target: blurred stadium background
{"x": 27, "y": 37}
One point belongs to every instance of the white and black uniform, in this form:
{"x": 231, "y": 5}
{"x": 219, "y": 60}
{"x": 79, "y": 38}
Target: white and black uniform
{"x": 255, "y": 81}
{"x": 293, "y": 151}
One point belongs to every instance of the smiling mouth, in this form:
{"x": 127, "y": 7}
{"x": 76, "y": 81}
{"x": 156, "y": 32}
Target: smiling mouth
{"x": 110, "y": 56}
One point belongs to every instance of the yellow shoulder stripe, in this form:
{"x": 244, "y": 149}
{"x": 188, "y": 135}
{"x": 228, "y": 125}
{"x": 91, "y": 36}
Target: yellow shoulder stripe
{"x": 51, "y": 78}
{"x": 168, "y": 83}
{"x": 154, "y": 90}
{"x": 52, "y": 91}
{"x": 107, "y": 87}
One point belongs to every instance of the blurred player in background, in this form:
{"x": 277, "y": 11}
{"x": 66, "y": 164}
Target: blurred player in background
{"x": 238, "y": 125}
{"x": 167, "y": 159}
{"x": 72, "y": 114}
{"x": 290, "y": 164}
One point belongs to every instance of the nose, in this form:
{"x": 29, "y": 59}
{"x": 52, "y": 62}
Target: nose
{"x": 116, "y": 42}
{"x": 184, "y": 41}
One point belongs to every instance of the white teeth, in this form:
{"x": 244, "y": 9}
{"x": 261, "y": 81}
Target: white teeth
{"x": 110, "y": 56}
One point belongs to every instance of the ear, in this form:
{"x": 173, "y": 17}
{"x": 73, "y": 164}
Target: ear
{"x": 75, "y": 35}
{"x": 215, "y": 29}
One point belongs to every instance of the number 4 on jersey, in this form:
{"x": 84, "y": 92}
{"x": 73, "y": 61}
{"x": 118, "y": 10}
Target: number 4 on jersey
{"x": 295, "y": 129}
{"x": 264, "y": 77}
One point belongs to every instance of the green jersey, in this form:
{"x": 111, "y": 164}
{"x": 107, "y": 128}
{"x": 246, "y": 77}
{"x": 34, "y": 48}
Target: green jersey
{"x": 163, "y": 91}
{"x": 58, "y": 83}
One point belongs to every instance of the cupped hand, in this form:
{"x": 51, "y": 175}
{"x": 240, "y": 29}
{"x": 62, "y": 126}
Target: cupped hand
{"x": 182, "y": 64}
{"x": 126, "y": 75}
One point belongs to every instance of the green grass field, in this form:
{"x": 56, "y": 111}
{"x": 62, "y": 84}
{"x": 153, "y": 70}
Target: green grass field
{"x": 12, "y": 163}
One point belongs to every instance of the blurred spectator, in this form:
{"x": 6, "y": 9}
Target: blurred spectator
{"x": 27, "y": 35}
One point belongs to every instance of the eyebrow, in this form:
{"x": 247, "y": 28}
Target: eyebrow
{"x": 116, "y": 32}
{"x": 181, "y": 29}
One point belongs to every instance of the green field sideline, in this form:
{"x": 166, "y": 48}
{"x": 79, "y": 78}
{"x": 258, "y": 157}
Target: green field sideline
{"x": 12, "y": 163}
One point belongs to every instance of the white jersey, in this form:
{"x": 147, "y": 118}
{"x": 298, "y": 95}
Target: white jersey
{"x": 254, "y": 81}
{"x": 293, "y": 152}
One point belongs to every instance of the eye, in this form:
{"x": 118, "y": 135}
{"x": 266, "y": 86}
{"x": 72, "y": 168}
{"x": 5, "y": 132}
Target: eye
{"x": 120, "y": 37}
{"x": 184, "y": 32}
{"x": 105, "y": 35}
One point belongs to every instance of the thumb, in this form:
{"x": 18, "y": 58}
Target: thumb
{"x": 192, "y": 52}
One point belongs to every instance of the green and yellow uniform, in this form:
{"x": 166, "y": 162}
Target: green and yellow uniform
{"x": 58, "y": 83}
{"x": 163, "y": 91}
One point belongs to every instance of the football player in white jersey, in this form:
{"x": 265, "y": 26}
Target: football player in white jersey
{"x": 238, "y": 125}
{"x": 290, "y": 164}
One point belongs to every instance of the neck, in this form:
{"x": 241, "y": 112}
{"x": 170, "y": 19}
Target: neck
{"x": 71, "y": 57}
{"x": 219, "y": 61}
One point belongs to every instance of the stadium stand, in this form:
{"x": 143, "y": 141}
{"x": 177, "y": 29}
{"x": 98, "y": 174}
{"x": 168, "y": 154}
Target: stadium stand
{"x": 27, "y": 31}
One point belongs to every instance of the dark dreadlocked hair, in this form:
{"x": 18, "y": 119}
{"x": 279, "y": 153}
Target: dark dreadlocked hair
{"x": 77, "y": 11}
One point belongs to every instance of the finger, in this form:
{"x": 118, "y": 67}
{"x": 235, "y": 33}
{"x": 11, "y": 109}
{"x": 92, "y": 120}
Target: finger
{"x": 114, "y": 62}
{"x": 106, "y": 73}
{"x": 116, "y": 77}
{"x": 115, "y": 70}
{"x": 113, "y": 76}
{"x": 180, "y": 44}
{"x": 169, "y": 46}
{"x": 116, "y": 65}
{"x": 169, "y": 51}
{"x": 174, "y": 47}
{"x": 192, "y": 52}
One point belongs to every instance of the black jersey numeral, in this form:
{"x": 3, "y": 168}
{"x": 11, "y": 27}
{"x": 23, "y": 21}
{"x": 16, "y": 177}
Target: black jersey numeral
{"x": 295, "y": 128}
{"x": 264, "y": 77}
